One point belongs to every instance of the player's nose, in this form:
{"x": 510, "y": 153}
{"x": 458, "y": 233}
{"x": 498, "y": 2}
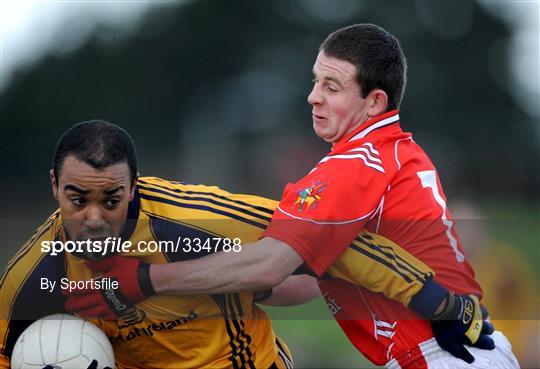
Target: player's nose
{"x": 315, "y": 97}
{"x": 94, "y": 218}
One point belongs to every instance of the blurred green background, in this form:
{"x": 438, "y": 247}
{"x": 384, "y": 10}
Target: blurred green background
{"x": 215, "y": 92}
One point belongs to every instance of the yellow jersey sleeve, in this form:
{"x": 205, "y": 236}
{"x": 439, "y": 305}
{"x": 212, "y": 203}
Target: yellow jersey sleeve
{"x": 371, "y": 261}
{"x": 380, "y": 265}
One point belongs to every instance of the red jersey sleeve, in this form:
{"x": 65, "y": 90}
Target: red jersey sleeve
{"x": 320, "y": 215}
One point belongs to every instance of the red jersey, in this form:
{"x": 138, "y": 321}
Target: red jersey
{"x": 375, "y": 178}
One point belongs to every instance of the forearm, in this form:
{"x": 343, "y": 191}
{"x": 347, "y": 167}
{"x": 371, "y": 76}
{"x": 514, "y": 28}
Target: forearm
{"x": 295, "y": 290}
{"x": 263, "y": 264}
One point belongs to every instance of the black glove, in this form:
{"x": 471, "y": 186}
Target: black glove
{"x": 462, "y": 322}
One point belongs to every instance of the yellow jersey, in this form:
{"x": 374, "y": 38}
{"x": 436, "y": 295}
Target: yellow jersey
{"x": 201, "y": 331}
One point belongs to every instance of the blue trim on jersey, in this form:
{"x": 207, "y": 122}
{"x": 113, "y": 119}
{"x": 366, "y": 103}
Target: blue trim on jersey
{"x": 381, "y": 261}
{"x": 401, "y": 263}
{"x": 204, "y": 199}
{"x": 202, "y": 207}
{"x": 260, "y": 208}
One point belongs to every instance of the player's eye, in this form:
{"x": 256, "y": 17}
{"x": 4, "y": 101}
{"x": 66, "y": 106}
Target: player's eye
{"x": 78, "y": 201}
{"x": 112, "y": 203}
{"x": 331, "y": 88}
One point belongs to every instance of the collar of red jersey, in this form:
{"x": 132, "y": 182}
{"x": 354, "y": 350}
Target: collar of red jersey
{"x": 372, "y": 124}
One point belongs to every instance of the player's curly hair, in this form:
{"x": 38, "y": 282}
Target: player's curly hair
{"x": 97, "y": 143}
{"x": 377, "y": 56}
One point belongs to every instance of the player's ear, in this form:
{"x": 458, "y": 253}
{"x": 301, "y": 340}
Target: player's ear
{"x": 54, "y": 184}
{"x": 378, "y": 102}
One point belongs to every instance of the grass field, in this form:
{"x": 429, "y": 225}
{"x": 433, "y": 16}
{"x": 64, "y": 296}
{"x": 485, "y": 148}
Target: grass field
{"x": 316, "y": 343}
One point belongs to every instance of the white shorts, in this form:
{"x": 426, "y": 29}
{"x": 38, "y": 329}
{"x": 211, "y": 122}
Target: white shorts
{"x": 437, "y": 358}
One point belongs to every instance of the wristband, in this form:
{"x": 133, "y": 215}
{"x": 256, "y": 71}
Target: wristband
{"x": 428, "y": 299}
{"x": 143, "y": 275}
{"x": 451, "y": 309}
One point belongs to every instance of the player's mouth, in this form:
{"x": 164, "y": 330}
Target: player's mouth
{"x": 318, "y": 118}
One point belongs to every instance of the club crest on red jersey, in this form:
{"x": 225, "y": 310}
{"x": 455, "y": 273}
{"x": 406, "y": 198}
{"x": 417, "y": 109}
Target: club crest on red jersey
{"x": 309, "y": 197}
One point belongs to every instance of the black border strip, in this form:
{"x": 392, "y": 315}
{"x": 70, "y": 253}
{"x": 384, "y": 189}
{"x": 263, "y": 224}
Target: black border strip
{"x": 202, "y": 207}
{"x": 205, "y": 199}
{"x": 212, "y": 194}
{"x": 382, "y": 261}
{"x": 418, "y": 274}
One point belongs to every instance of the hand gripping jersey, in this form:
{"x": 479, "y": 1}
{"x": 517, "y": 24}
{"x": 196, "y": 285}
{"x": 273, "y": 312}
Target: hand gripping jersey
{"x": 376, "y": 178}
{"x": 218, "y": 331}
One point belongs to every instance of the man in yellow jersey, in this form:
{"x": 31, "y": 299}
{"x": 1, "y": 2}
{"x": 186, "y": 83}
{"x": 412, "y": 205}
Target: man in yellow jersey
{"x": 102, "y": 199}
{"x": 95, "y": 179}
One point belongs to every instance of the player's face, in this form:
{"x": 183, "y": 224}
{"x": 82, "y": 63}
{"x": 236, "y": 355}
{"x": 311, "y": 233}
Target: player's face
{"x": 93, "y": 203}
{"x": 338, "y": 106}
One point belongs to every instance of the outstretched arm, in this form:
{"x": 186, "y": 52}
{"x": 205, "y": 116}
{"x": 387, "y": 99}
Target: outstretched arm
{"x": 264, "y": 264}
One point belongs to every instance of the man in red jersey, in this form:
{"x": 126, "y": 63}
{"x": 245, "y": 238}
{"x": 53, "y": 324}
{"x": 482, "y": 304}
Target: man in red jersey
{"x": 375, "y": 178}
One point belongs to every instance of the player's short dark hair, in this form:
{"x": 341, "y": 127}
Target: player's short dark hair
{"x": 97, "y": 143}
{"x": 377, "y": 56}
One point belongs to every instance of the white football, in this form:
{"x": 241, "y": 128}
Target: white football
{"x": 62, "y": 341}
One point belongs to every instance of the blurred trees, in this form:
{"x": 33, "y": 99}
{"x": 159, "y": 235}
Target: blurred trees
{"x": 214, "y": 92}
